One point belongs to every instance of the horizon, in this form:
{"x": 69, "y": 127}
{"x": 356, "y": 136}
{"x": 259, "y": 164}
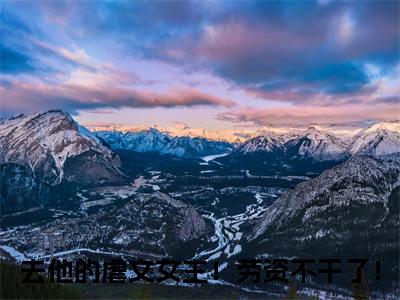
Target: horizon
{"x": 218, "y": 66}
{"x": 345, "y": 131}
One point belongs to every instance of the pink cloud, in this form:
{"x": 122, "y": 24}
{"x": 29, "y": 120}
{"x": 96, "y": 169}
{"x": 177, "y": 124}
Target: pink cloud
{"x": 303, "y": 94}
{"x": 33, "y": 96}
{"x": 238, "y": 40}
{"x": 305, "y": 115}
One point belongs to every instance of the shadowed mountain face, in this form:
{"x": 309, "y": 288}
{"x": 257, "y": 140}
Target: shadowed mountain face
{"x": 348, "y": 211}
{"x": 153, "y": 140}
{"x": 20, "y": 190}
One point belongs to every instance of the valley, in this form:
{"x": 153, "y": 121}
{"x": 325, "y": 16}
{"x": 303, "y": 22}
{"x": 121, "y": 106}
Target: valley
{"x": 124, "y": 195}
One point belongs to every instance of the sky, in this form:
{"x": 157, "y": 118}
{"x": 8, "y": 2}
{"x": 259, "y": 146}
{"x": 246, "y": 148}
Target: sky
{"x": 206, "y": 64}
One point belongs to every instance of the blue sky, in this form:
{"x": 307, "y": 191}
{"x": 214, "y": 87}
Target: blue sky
{"x": 211, "y": 64}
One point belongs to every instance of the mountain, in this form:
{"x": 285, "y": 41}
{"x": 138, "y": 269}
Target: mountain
{"x": 152, "y": 140}
{"x": 351, "y": 210}
{"x": 308, "y": 152}
{"x": 20, "y": 190}
{"x": 154, "y": 225}
{"x": 266, "y": 143}
{"x": 54, "y": 147}
{"x": 179, "y": 129}
{"x": 61, "y": 194}
{"x": 318, "y": 145}
{"x": 379, "y": 139}
{"x": 195, "y": 147}
{"x": 313, "y": 143}
{"x": 234, "y": 135}
{"x": 39, "y": 152}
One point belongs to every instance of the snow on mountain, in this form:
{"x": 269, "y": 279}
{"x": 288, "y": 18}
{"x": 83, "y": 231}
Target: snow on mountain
{"x": 361, "y": 179}
{"x": 312, "y": 143}
{"x": 235, "y": 136}
{"x": 266, "y": 143}
{"x": 379, "y": 139}
{"x": 152, "y": 140}
{"x": 44, "y": 142}
{"x": 349, "y": 210}
{"x": 194, "y": 147}
{"x": 222, "y": 135}
{"x": 320, "y": 144}
{"x": 317, "y": 144}
{"x": 179, "y": 130}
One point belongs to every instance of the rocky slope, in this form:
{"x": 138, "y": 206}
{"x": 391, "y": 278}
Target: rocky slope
{"x": 313, "y": 143}
{"x": 52, "y": 145}
{"x": 267, "y": 143}
{"x": 41, "y": 152}
{"x": 318, "y": 145}
{"x": 20, "y": 190}
{"x": 347, "y": 211}
{"x": 379, "y": 139}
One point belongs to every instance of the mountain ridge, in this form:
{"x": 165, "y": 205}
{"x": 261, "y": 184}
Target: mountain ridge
{"x": 153, "y": 140}
{"x": 45, "y": 143}
{"x": 315, "y": 142}
{"x": 355, "y": 166}
{"x": 379, "y": 139}
{"x": 350, "y": 210}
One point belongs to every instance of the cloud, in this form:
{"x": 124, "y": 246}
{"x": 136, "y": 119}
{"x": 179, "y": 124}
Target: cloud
{"x": 308, "y": 54}
{"x": 346, "y": 28}
{"x": 28, "y": 96}
{"x": 68, "y": 78}
{"x": 323, "y": 53}
{"x": 76, "y": 57}
{"x": 300, "y": 116}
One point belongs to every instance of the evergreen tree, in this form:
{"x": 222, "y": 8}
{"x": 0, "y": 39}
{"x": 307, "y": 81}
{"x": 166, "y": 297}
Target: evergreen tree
{"x": 12, "y": 286}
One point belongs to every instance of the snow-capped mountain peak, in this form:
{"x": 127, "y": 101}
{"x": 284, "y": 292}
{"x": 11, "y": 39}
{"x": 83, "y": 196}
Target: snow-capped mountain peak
{"x": 264, "y": 143}
{"x": 313, "y": 142}
{"x": 393, "y": 126}
{"x": 317, "y": 144}
{"x": 379, "y": 139}
{"x": 44, "y": 141}
{"x": 320, "y": 144}
{"x": 152, "y": 140}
